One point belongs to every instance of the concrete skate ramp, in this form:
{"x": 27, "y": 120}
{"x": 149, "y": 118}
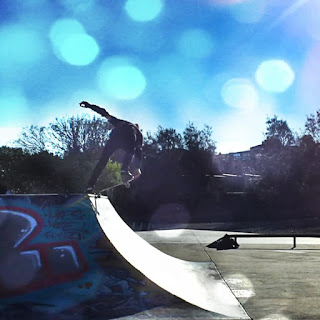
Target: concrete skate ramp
{"x": 197, "y": 283}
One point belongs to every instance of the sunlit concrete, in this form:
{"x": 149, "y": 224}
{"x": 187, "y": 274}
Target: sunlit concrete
{"x": 272, "y": 281}
{"x": 197, "y": 283}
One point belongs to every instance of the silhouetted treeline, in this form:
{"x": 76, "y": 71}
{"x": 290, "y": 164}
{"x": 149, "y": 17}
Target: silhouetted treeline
{"x": 183, "y": 179}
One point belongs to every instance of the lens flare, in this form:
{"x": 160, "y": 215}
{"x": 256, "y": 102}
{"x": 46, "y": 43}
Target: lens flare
{"x": 274, "y": 76}
{"x": 143, "y": 10}
{"x": 308, "y": 93}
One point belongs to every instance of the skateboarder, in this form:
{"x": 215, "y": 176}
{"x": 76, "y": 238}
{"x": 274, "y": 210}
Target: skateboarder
{"x": 124, "y": 135}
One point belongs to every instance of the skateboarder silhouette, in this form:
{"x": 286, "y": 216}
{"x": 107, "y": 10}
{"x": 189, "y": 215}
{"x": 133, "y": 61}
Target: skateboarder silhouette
{"x": 124, "y": 135}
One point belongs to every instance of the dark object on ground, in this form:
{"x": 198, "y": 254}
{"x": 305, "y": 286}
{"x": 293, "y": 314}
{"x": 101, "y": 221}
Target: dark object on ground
{"x": 224, "y": 243}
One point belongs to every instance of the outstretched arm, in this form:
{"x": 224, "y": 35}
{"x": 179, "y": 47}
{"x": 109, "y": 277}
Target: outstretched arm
{"x": 101, "y": 111}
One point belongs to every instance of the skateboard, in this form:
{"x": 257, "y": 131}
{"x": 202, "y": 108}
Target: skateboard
{"x": 123, "y": 183}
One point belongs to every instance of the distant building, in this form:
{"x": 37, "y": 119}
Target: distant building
{"x": 255, "y": 151}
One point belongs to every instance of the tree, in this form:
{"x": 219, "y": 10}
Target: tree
{"x": 168, "y": 139}
{"x": 33, "y": 139}
{"x": 23, "y": 172}
{"x": 279, "y": 130}
{"x": 10, "y": 159}
{"x": 78, "y": 134}
{"x": 164, "y": 140}
{"x": 65, "y": 136}
{"x": 194, "y": 139}
{"x": 312, "y": 126}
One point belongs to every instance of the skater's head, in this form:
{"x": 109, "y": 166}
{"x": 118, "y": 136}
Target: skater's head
{"x": 137, "y": 126}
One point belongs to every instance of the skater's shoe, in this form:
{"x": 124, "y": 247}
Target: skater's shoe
{"x": 89, "y": 190}
{"x": 126, "y": 175}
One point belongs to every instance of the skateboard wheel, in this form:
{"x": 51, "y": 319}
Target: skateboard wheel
{"x": 127, "y": 185}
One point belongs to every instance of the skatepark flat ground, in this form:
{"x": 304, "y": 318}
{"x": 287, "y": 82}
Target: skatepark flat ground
{"x": 271, "y": 280}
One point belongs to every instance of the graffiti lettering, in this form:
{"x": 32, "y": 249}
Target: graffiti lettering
{"x": 27, "y": 265}
{"x": 66, "y": 224}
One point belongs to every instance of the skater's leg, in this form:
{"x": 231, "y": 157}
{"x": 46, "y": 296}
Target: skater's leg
{"x": 104, "y": 158}
{"x": 125, "y": 173}
{"x": 127, "y": 143}
{"x": 127, "y": 160}
{"x": 135, "y": 166}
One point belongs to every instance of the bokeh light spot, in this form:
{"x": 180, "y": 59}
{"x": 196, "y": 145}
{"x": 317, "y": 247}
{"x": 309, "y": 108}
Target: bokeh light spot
{"x": 249, "y": 11}
{"x": 274, "y": 76}
{"x": 240, "y": 93}
{"x": 196, "y": 43}
{"x": 79, "y": 49}
{"x": 143, "y": 10}
{"x": 62, "y": 28}
{"x": 72, "y": 44}
{"x": 120, "y": 79}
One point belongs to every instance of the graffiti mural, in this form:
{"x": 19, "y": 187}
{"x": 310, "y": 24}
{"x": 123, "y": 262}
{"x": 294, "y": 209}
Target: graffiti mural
{"x": 27, "y": 266}
{"x": 54, "y": 258}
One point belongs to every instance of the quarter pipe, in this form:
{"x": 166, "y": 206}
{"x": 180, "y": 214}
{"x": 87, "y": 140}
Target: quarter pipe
{"x": 197, "y": 283}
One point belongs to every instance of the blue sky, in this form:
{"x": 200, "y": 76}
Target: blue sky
{"x": 225, "y": 63}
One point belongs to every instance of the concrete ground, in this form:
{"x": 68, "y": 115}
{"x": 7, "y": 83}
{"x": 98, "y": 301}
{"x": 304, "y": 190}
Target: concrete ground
{"x": 271, "y": 280}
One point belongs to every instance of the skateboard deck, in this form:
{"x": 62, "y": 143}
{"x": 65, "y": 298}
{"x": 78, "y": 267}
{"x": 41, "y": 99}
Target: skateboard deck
{"x": 123, "y": 183}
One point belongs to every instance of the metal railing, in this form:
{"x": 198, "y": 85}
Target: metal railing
{"x": 279, "y": 235}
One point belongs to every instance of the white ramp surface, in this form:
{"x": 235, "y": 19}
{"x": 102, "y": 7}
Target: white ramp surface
{"x": 198, "y": 283}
